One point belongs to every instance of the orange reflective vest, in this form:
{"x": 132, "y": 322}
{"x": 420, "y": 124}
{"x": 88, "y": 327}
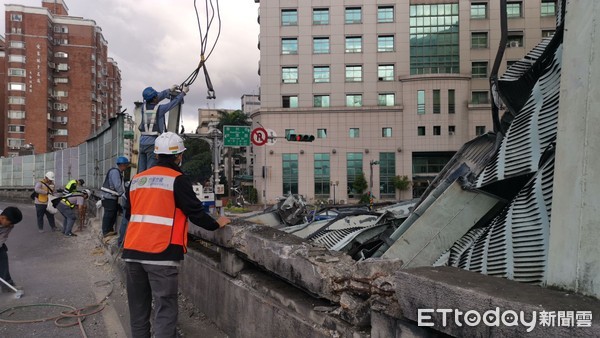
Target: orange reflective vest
{"x": 155, "y": 221}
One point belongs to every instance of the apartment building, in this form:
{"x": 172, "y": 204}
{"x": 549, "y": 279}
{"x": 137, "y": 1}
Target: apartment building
{"x": 250, "y": 103}
{"x": 61, "y": 86}
{"x": 388, "y": 88}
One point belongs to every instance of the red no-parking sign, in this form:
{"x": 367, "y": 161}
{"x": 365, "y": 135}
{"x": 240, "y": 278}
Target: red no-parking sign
{"x": 259, "y": 136}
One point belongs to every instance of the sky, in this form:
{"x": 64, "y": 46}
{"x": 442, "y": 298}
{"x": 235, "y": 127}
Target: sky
{"x": 157, "y": 43}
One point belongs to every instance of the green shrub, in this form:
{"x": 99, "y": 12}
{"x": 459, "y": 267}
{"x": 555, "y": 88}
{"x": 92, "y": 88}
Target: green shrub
{"x": 401, "y": 182}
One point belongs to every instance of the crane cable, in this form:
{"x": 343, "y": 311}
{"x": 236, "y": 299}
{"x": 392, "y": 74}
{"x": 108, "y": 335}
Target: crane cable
{"x": 211, "y": 9}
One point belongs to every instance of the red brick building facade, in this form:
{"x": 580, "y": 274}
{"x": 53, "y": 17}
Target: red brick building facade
{"x": 61, "y": 86}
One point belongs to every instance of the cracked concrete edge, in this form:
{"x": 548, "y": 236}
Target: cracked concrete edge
{"x": 319, "y": 271}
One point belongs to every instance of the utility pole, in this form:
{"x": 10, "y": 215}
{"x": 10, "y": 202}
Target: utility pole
{"x": 215, "y": 134}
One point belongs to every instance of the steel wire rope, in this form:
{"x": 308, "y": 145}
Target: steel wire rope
{"x": 211, "y": 9}
{"x": 210, "y": 15}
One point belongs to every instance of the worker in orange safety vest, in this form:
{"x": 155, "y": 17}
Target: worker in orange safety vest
{"x": 162, "y": 199}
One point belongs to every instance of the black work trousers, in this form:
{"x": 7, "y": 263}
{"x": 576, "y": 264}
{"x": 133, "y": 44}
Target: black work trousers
{"x": 4, "y": 273}
{"x": 146, "y": 282}
{"x": 111, "y": 209}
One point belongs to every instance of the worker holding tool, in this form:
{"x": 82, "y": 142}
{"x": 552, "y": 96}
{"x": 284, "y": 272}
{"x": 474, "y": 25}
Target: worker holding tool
{"x": 112, "y": 190}
{"x": 153, "y": 121}
{"x": 162, "y": 199}
{"x": 67, "y": 206}
{"x": 8, "y": 218}
{"x": 43, "y": 188}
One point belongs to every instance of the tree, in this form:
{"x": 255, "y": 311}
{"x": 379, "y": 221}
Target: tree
{"x": 360, "y": 185}
{"x": 197, "y": 160}
{"x": 401, "y": 182}
{"x": 234, "y": 118}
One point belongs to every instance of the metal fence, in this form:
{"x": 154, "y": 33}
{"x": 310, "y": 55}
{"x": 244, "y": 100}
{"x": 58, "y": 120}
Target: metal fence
{"x": 89, "y": 161}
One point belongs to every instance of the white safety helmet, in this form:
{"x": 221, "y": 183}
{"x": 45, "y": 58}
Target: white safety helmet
{"x": 169, "y": 143}
{"x": 50, "y": 175}
{"x": 87, "y": 192}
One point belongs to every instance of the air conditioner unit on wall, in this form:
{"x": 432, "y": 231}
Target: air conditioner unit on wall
{"x": 514, "y": 44}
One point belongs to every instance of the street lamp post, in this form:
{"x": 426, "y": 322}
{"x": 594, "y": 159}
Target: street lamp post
{"x": 371, "y": 164}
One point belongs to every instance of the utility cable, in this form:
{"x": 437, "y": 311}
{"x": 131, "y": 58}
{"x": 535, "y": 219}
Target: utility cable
{"x": 75, "y": 316}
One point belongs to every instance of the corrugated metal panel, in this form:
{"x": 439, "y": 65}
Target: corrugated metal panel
{"x": 515, "y": 244}
{"x": 517, "y": 69}
{"x": 531, "y": 132}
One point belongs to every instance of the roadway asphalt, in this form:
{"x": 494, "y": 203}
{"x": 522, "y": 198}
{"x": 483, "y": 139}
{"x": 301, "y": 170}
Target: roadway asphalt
{"x": 51, "y": 268}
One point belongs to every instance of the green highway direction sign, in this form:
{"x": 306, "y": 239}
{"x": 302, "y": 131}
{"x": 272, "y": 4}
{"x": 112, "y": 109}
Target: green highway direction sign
{"x": 236, "y": 136}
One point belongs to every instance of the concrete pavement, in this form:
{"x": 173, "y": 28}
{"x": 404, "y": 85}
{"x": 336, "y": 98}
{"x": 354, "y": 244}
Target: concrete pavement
{"x": 51, "y": 268}
{"x": 74, "y": 271}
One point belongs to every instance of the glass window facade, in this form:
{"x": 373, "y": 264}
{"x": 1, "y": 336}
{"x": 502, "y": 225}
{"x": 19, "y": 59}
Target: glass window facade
{"x": 387, "y": 171}
{"x": 321, "y": 74}
{"x": 16, "y": 72}
{"x": 514, "y": 9}
{"x": 321, "y": 101}
{"x": 353, "y": 44}
{"x": 353, "y": 73}
{"x": 386, "y": 99}
{"x": 514, "y": 40}
{"x": 385, "y": 43}
{"x": 429, "y": 164}
{"x": 289, "y": 46}
{"x": 290, "y": 173}
{"x": 479, "y": 130}
{"x": 434, "y": 39}
{"x": 480, "y": 97}
{"x": 289, "y": 101}
{"x": 322, "y": 175}
{"x": 386, "y": 132}
{"x": 479, "y": 40}
{"x": 321, "y": 45}
{"x": 546, "y": 33}
{"x": 353, "y": 15}
{"x": 322, "y": 133}
{"x": 385, "y": 72}
{"x": 289, "y": 17}
{"x": 548, "y": 8}
{"x": 354, "y": 100}
{"x": 289, "y": 74}
{"x": 353, "y": 170}
{"x": 478, "y": 10}
{"x": 451, "y": 100}
{"x": 385, "y": 14}
{"x": 321, "y": 16}
{"x": 420, "y": 102}
{"x": 437, "y": 105}
{"x": 479, "y": 69}
{"x": 354, "y": 132}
